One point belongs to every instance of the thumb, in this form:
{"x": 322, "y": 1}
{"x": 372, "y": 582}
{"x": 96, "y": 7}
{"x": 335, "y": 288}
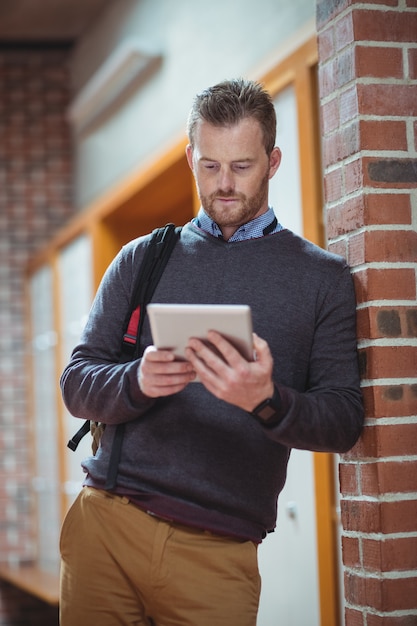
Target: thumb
{"x": 260, "y": 347}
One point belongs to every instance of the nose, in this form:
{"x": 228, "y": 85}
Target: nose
{"x": 226, "y": 181}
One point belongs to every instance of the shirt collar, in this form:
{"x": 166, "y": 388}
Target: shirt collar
{"x": 259, "y": 227}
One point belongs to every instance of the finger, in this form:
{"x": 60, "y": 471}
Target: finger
{"x": 165, "y": 375}
{"x": 159, "y": 374}
{"x": 219, "y": 351}
{"x": 163, "y": 384}
{"x": 226, "y": 349}
{"x": 203, "y": 357}
{"x": 153, "y": 354}
{"x": 211, "y": 376}
{"x": 219, "y": 377}
{"x": 260, "y": 346}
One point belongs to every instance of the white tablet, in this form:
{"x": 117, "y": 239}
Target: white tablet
{"x": 173, "y": 324}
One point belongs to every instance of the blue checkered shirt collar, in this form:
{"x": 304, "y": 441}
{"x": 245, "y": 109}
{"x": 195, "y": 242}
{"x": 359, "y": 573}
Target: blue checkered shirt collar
{"x": 265, "y": 224}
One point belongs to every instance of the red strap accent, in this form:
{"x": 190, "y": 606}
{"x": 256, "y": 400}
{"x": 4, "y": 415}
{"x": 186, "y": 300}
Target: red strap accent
{"x": 132, "y": 328}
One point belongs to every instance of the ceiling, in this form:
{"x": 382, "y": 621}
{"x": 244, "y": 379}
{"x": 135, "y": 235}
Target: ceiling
{"x": 46, "y": 20}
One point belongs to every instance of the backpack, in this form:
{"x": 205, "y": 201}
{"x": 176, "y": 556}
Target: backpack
{"x": 158, "y": 250}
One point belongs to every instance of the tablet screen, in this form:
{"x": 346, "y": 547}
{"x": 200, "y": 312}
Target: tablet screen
{"x": 173, "y": 324}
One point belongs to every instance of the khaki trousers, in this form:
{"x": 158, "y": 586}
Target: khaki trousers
{"x": 121, "y": 566}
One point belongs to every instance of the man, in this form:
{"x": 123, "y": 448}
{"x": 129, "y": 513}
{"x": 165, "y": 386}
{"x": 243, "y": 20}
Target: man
{"x": 202, "y": 463}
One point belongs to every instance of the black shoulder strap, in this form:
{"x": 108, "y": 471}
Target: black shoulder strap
{"x": 81, "y": 432}
{"x": 161, "y": 244}
{"x": 157, "y": 253}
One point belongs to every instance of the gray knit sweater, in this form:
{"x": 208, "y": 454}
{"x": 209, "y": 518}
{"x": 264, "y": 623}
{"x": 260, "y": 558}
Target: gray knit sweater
{"x": 191, "y": 457}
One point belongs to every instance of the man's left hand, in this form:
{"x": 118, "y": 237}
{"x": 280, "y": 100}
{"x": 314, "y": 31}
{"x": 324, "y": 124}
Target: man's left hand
{"x": 230, "y": 377}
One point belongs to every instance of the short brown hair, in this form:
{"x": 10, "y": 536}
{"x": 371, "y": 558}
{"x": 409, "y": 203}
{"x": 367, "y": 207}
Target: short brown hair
{"x": 229, "y": 102}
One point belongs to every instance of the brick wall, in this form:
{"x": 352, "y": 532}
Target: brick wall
{"x": 368, "y": 91}
{"x": 35, "y": 200}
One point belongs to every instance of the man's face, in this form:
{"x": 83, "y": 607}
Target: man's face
{"x": 232, "y": 170}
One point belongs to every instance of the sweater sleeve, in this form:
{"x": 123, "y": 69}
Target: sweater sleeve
{"x": 94, "y": 384}
{"x": 328, "y": 416}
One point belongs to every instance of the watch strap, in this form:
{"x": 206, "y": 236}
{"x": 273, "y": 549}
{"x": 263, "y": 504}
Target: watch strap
{"x": 268, "y": 411}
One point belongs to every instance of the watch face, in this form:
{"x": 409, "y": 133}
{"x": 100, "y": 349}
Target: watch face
{"x": 267, "y": 412}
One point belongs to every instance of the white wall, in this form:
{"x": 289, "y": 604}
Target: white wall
{"x": 201, "y": 43}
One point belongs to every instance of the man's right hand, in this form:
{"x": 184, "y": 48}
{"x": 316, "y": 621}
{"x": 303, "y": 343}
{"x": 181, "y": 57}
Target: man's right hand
{"x": 160, "y": 374}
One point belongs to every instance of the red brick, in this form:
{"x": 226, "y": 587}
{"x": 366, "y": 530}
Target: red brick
{"x": 361, "y": 516}
{"x": 328, "y": 11}
{"x": 330, "y": 116}
{"x": 353, "y": 617}
{"x": 376, "y": 322}
{"x": 355, "y": 589}
{"x": 367, "y": 516}
{"x": 390, "y": 400}
{"x": 368, "y": 209}
{"x": 348, "y": 479}
{"x": 381, "y": 594}
{"x": 412, "y": 62}
{"x": 386, "y": 477}
{"x": 382, "y": 284}
{"x": 356, "y": 250}
{"x": 349, "y": 106}
{"x": 385, "y": 555}
{"x": 326, "y": 44}
{"x": 346, "y": 217}
{"x": 339, "y": 247}
{"x": 389, "y": 26}
{"x": 379, "y": 62}
{"x": 390, "y": 362}
{"x": 353, "y": 176}
{"x": 387, "y": 208}
{"x": 389, "y": 246}
{"x": 390, "y": 172}
{"x": 383, "y": 135}
{"x": 389, "y": 440}
{"x": 364, "y": 326}
{"x": 333, "y": 185}
{"x": 397, "y": 594}
{"x": 350, "y": 551}
{"x": 327, "y": 77}
{"x": 349, "y": 140}
{"x": 386, "y": 99}
{"x": 331, "y": 150}
{"x": 341, "y": 144}
{"x": 343, "y": 31}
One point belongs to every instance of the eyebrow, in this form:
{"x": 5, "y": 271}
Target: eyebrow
{"x": 243, "y": 160}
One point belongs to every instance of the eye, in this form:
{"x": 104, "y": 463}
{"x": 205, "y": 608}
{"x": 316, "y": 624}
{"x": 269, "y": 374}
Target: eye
{"x": 240, "y": 167}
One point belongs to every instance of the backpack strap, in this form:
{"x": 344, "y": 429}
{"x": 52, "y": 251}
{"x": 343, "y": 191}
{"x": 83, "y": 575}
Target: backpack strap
{"x": 157, "y": 253}
{"x": 156, "y": 257}
{"x": 81, "y": 432}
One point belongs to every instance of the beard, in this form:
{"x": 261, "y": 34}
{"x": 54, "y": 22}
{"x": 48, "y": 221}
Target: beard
{"x": 243, "y": 210}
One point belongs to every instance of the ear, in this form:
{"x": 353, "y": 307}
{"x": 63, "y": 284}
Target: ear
{"x": 274, "y": 161}
{"x": 189, "y": 155}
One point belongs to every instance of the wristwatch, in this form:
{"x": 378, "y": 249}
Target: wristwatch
{"x": 268, "y": 411}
